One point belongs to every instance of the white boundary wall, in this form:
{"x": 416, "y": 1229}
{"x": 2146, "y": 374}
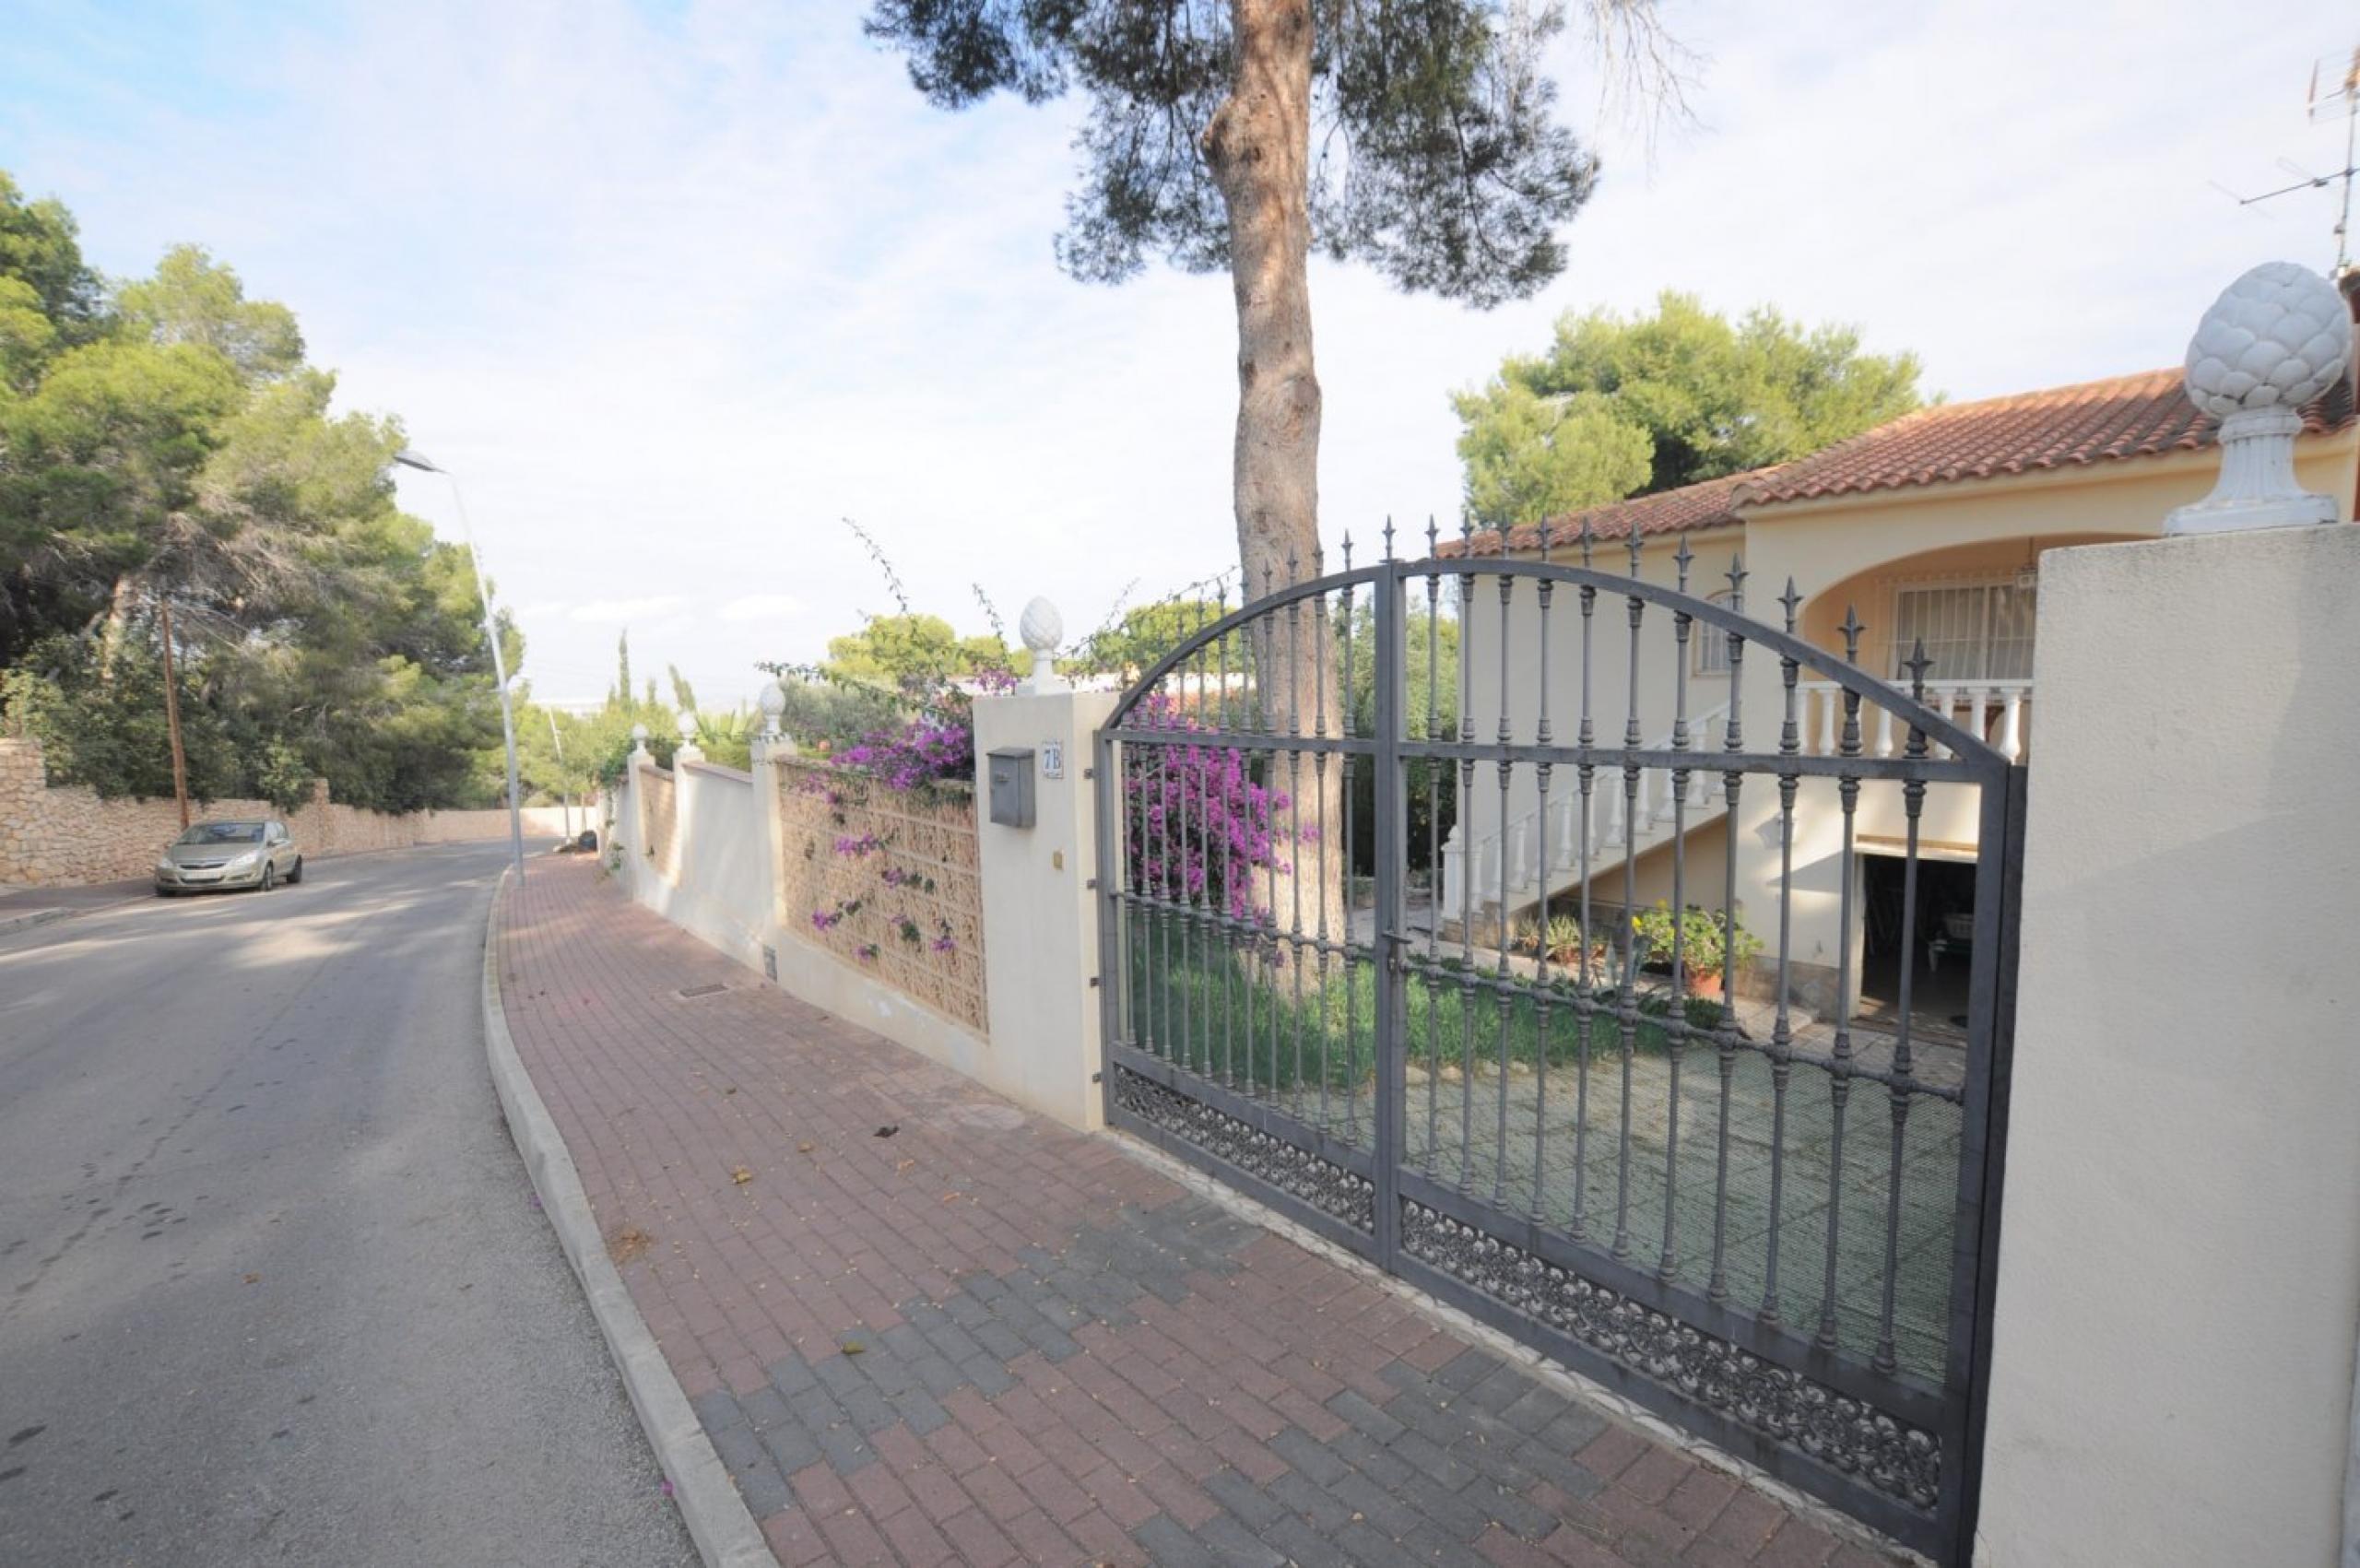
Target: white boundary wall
{"x": 1040, "y": 950}
{"x": 2179, "y": 1273}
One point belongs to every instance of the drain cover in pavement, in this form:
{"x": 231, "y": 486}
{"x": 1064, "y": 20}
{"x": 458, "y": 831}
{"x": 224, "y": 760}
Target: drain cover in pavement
{"x": 706, "y": 990}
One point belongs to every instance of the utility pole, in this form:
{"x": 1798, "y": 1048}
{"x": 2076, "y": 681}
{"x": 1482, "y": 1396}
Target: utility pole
{"x": 173, "y": 710}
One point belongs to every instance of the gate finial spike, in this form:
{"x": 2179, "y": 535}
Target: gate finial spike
{"x": 1736, "y": 575}
{"x": 1790, "y": 599}
{"x": 1636, "y": 545}
{"x": 1589, "y": 541}
{"x": 1269, "y": 579}
{"x": 1851, "y": 629}
{"x": 1682, "y": 558}
{"x": 1295, "y": 566}
{"x": 1917, "y": 665}
{"x": 1347, "y": 543}
{"x": 1434, "y": 538}
{"x": 1544, "y": 541}
{"x": 1318, "y": 561}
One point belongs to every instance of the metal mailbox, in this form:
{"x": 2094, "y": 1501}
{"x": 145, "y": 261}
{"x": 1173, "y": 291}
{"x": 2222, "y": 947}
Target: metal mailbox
{"x": 1011, "y": 785}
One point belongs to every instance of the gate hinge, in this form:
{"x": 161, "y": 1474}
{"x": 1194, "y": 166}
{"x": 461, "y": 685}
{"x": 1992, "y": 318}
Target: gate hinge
{"x": 1093, "y": 982}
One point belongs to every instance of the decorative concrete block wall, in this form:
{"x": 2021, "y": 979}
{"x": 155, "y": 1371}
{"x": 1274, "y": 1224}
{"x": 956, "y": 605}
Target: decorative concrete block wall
{"x": 886, "y": 881}
{"x": 660, "y": 819}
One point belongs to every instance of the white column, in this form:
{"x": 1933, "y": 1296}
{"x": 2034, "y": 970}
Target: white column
{"x": 769, "y": 753}
{"x": 634, "y": 811}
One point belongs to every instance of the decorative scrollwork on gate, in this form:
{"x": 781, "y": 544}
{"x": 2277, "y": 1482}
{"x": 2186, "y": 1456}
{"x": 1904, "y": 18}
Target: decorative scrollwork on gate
{"x": 1853, "y": 1437}
{"x": 1324, "y": 1185}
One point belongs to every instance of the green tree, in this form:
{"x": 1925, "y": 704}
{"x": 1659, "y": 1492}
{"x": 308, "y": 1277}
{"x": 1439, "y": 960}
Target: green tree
{"x": 1705, "y": 395}
{"x": 1528, "y": 456}
{"x": 41, "y": 246}
{"x": 892, "y": 652}
{"x": 108, "y": 730}
{"x": 1130, "y": 646}
{"x": 682, "y": 692}
{"x": 165, "y": 448}
{"x": 194, "y": 299}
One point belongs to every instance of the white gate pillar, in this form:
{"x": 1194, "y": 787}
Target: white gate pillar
{"x": 2180, "y": 1259}
{"x": 1040, "y": 909}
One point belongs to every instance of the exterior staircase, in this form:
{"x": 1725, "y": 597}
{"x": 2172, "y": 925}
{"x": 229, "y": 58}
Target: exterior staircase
{"x": 1472, "y": 870}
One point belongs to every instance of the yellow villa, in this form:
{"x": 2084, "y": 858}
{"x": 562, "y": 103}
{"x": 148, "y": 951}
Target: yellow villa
{"x": 1928, "y": 528}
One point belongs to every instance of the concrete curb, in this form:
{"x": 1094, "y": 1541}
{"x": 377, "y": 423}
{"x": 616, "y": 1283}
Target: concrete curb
{"x": 51, "y": 916}
{"x": 44, "y": 917}
{"x": 718, "y": 1521}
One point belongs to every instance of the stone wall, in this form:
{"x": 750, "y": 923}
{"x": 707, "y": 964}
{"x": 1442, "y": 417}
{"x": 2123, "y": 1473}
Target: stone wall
{"x": 65, "y": 835}
{"x": 491, "y": 823}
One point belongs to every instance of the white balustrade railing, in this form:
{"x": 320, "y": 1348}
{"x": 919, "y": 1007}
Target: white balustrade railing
{"x": 1999, "y": 711}
{"x": 1607, "y": 830}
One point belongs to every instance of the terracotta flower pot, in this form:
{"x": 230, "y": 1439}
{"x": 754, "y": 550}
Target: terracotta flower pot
{"x": 1707, "y": 985}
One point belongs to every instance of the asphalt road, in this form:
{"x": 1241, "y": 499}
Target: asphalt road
{"x": 274, "y": 1286}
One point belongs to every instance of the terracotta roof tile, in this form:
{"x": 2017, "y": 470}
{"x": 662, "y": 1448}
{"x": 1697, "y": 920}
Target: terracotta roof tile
{"x": 2062, "y": 427}
{"x": 1690, "y": 509}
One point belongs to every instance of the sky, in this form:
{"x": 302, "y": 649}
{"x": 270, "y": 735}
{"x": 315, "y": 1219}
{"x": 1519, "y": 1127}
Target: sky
{"x": 674, "y": 290}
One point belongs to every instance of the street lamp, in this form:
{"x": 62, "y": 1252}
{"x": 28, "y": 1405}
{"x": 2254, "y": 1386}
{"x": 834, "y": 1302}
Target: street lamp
{"x": 409, "y": 459}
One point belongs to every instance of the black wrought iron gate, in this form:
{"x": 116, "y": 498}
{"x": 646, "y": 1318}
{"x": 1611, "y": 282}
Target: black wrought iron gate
{"x": 1456, "y": 909}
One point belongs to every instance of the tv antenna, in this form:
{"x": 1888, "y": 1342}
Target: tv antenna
{"x": 2342, "y": 100}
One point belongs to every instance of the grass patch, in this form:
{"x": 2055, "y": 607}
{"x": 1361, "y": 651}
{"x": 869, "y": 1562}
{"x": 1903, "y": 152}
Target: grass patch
{"x": 1244, "y": 1018}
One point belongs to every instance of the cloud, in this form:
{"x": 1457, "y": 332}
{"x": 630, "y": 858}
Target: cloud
{"x": 622, "y": 612}
{"x": 762, "y": 606}
{"x": 673, "y": 289}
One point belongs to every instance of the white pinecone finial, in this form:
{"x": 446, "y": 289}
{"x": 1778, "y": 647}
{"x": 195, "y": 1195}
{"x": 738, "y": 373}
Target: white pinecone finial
{"x": 2276, "y": 339}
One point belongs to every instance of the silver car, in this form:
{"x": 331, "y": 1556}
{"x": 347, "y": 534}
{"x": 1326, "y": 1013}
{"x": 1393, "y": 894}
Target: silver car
{"x": 229, "y": 855}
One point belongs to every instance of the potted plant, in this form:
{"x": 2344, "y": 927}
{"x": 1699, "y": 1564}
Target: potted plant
{"x": 1704, "y": 964}
{"x": 1563, "y": 941}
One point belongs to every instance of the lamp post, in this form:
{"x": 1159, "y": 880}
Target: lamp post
{"x": 409, "y": 459}
{"x": 564, "y": 796}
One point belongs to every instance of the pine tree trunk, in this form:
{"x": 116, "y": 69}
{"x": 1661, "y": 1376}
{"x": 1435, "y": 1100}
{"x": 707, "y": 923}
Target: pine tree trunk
{"x": 1257, "y": 148}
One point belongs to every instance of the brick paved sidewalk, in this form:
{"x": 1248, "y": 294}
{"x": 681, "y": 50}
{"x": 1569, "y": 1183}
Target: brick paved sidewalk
{"x": 986, "y": 1340}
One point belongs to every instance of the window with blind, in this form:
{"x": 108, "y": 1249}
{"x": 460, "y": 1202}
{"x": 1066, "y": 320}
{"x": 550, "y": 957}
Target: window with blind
{"x": 1712, "y": 642}
{"x": 1972, "y": 631}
